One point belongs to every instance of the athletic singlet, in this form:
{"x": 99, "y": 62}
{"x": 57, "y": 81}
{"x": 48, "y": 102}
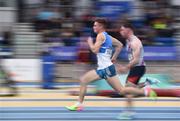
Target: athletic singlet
{"x": 130, "y": 52}
{"x": 105, "y": 52}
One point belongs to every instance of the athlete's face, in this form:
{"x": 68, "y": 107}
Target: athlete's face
{"x": 124, "y": 31}
{"x": 97, "y": 27}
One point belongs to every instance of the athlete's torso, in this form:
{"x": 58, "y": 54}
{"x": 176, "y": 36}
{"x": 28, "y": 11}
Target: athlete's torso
{"x": 132, "y": 40}
{"x": 105, "y": 52}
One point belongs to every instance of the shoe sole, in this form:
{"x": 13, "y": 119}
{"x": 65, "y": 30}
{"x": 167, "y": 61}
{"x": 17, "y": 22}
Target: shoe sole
{"x": 69, "y": 108}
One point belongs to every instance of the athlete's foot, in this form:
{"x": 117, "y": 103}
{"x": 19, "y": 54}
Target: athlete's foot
{"x": 126, "y": 115}
{"x": 151, "y": 93}
{"x": 151, "y": 81}
{"x": 75, "y": 107}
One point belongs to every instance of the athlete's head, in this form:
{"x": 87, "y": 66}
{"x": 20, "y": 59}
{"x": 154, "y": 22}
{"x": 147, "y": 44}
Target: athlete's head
{"x": 99, "y": 25}
{"x": 126, "y": 30}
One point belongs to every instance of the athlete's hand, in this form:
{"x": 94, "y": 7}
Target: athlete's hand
{"x": 90, "y": 40}
{"x": 113, "y": 60}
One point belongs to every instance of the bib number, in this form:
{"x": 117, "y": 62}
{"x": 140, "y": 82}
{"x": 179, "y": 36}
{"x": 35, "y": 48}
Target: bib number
{"x": 108, "y": 51}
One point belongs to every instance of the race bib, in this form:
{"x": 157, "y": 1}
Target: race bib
{"x": 108, "y": 51}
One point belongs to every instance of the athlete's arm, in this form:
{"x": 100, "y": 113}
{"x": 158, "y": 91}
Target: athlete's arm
{"x": 96, "y": 46}
{"x": 118, "y": 46}
{"x": 136, "y": 47}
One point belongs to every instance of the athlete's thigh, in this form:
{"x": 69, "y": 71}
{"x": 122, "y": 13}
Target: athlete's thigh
{"x": 90, "y": 76}
{"x": 130, "y": 84}
{"x": 115, "y": 83}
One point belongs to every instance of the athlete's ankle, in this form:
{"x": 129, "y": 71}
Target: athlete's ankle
{"x": 78, "y": 103}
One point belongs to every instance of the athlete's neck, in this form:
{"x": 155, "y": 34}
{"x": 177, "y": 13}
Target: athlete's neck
{"x": 101, "y": 31}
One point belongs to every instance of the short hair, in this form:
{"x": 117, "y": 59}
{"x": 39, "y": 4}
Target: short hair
{"x": 101, "y": 21}
{"x": 128, "y": 25}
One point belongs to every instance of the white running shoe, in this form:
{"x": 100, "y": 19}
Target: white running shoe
{"x": 126, "y": 115}
{"x": 151, "y": 81}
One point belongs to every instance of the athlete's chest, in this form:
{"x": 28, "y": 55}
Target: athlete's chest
{"x": 129, "y": 51}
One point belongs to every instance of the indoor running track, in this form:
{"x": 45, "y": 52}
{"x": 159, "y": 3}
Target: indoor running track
{"x": 46, "y": 105}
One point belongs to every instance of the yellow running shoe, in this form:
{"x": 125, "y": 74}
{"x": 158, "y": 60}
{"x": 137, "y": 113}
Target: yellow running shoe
{"x": 75, "y": 107}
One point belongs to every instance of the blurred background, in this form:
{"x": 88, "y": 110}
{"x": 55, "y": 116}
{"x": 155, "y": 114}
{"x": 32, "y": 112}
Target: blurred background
{"x": 43, "y": 53}
{"x": 44, "y": 41}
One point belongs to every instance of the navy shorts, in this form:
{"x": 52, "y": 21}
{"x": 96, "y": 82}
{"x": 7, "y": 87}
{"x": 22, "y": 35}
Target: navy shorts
{"x": 135, "y": 74}
{"x": 110, "y": 71}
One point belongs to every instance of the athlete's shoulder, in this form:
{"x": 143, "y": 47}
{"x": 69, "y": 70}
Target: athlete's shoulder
{"x": 135, "y": 44}
{"x": 100, "y": 36}
{"x": 136, "y": 41}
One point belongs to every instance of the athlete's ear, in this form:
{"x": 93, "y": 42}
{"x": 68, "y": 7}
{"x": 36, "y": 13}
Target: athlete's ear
{"x": 101, "y": 26}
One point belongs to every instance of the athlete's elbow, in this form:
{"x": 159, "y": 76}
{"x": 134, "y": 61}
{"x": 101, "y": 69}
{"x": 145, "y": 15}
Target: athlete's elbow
{"x": 118, "y": 49}
{"x": 95, "y": 51}
{"x": 119, "y": 46}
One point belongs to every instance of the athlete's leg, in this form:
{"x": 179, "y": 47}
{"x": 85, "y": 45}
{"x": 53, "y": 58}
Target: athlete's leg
{"x": 148, "y": 81}
{"x": 135, "y": 75}
{"x": 139, "y": 85}
{"x": 115, "y": 83}
{"x": 84, "y": 81}
{"x": 8, "y": 82}
{"x": 130, "y": 84}
{"x": 129, "y": 92}
{"x": 129, "y": 102}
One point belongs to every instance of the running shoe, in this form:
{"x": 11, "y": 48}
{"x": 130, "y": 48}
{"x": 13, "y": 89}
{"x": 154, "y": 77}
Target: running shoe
{"x": 151, "y": 93}
{"x": 126, "y": 115}
{"x": 75, "y": 107}
{"x": 151, "y": 81}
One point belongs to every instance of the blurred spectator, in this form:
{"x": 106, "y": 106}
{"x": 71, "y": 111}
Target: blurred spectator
{"x": 84, "y": 53}
{"x": 69, "y": 22}
{"x": 158, "y": 15}
{"x": 67, "y": 30}
{"x": 47, "y": 18}
{"x": 6, "y": 39}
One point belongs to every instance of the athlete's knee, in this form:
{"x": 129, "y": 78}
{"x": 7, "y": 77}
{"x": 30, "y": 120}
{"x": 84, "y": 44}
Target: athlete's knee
{"x": 123, "y": 91}
{"x": 83, "y": 81}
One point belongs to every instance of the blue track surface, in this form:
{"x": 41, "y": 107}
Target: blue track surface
{"x": 90, "y": 113}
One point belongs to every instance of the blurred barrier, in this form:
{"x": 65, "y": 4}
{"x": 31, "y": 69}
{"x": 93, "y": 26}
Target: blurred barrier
{"x": 6, "y": 52}
{"x": 23, "y": 69}
{"x": 48, "y": 72}
{"x": 153, "y": 53}
{"x": 64, "y": 53}
{"x": 165, "y": 41}
{"x": 165, "y": 81}
{"x": 156, "y": 53}
{"x": 163, "y": 88}
{"x": 160, "y": 53}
